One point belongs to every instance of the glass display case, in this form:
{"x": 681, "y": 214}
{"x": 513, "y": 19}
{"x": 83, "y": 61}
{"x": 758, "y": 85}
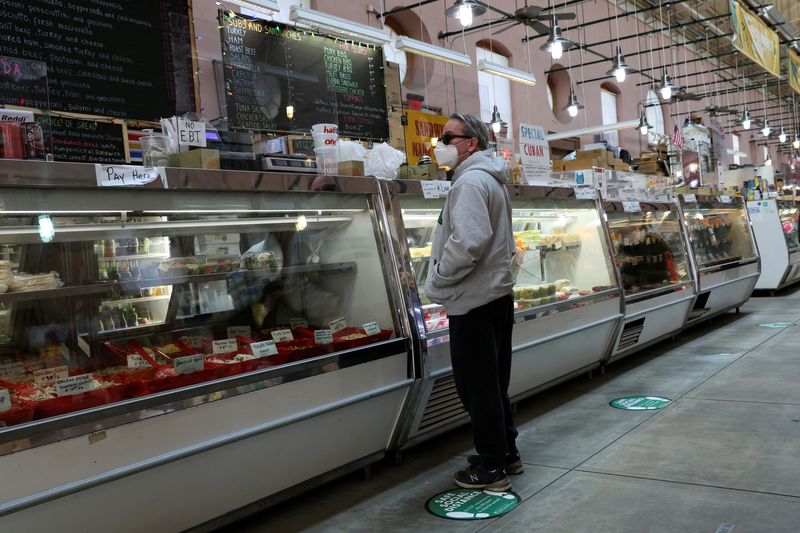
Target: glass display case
{"x": 774, "y": 224}
{"x": 110, "y": 295}
{"x": 789, "y": 214}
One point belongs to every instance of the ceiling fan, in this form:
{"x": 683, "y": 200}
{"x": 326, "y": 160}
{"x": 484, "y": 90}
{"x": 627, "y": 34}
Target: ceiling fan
{"x": 682, "y": 94}
{"x": 532, "y": 17}
{"x": 720, "y": 110}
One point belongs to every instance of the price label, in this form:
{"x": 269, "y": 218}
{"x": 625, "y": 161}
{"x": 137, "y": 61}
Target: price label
{"x": 11, "y": 369}
{"x": 323, "y": 336}
{"x": 195, "y": 342}
{"x": 74, "y": 385}
{"x": 585, "y": 193}
{"x": 725, "y": 199}
{"x": 191, "y": 132}
{"x": 48, "y": 376}
{"x": 444, "y": 188}
{"x": 137, "y": 361}
{"x": 372, "y": 328}
{"x": 338, "y": 325}
{"x": 264, "y": 348}
{"x": 295, "y": 323}
{"x": 5, "y": 400}
{"x": 430, "y": 189}
{"x": 632, "y": 207}
{"x": 239, "y": 331}
{"x": 224, "y": 346}
{"x": 187, "y": 364}
{"x": 690, "y": 198}
{"x": 282, "y": 335}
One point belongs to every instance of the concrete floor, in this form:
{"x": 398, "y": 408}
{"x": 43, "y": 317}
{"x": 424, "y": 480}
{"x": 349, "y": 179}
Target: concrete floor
{"x": 726, "y": 451}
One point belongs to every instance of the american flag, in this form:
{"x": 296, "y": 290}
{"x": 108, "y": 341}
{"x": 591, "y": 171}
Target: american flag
{"x": 677, "y": 137}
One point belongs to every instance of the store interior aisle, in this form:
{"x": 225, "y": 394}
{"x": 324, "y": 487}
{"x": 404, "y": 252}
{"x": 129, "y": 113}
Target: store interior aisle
{"x": 723, "y": 452}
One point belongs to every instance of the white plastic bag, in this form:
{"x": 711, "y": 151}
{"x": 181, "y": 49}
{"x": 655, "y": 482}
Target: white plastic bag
{"x": 383, "y": 161}
{"x": 351, "y": 151}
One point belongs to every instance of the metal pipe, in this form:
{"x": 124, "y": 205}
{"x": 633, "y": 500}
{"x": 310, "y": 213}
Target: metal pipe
{"x": 400, "y": 9}
{"x": 676, "y": 26}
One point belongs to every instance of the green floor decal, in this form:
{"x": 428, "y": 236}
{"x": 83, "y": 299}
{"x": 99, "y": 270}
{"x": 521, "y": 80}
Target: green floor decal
{"x": 471, "y": 504}
{"x": 640, "y": 403}
{"x": 777, "y": 325}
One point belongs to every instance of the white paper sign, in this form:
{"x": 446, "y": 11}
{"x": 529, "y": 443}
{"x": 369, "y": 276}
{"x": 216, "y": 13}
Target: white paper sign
{"x": 239, "y": 331}
{"x": 585, "y": 193}
{"x": 48, "y": 376}
{"x": 74, "y": 385}
{"x": 5, "y": 400}
{"x": 725, "y": 199}
{"x": 295, "y": 323}
{"x": 191, "y": 133}
{"x": 224, "y": 346}
{"x": 13, "y": 115}
{"x": 11, "y": 369}
{"x": 137, "y": 361}
{"x": 194, "y": 341}
{"x": 631, "y": 207}
{"x": 128, "y": 175}
{"x": 323, "y": 336}
{"x": 435, "y": 188}
{"x": 338, "y": 325}
{"x": 187, "y": 364}
{"x": 754, "y": 211}
{"x": 534, "y": 152}
{"x": 264, "y": 348}
{"x": 372, "y": 328}
{"x": 690, "y": 198}
{"x": 282, "y": 335}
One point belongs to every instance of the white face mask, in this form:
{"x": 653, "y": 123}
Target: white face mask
{"x": 446, "y": 155}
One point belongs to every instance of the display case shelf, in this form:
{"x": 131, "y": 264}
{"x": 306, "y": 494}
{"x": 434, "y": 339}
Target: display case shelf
{"x": 62, "y": 292}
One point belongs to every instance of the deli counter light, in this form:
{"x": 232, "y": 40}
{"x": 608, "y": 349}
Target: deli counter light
{"x": 420, "y": 48}
{"x": 508, "y": 73}
{"x": 264, "y": 6}
{"x": 339, "y": 26}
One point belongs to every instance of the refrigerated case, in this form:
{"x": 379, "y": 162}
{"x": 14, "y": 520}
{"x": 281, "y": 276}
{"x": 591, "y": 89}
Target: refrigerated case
{"x": 724, "y": 256}
{"x": 649, "y": 248}
{"x": 253, "y": 333}
{"x": 774, "y": 224}
{"x": 568, "y": 303}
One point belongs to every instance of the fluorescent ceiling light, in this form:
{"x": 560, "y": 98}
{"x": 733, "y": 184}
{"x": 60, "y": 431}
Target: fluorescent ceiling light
{"x": 339, "y": 26}
{"x": 429, "y": 50}
{"x": 506, "y": 72}
{"x": 270, "y": 6}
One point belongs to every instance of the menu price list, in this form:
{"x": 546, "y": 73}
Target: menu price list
{"x": 84, "y": 141}
{"x": 269, "y": 66}
{"x": 104, "y": 57}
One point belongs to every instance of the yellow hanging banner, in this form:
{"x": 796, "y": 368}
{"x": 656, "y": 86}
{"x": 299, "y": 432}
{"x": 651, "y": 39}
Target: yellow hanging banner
{"x": 754, "y": 39}
{"x": 794, "y": 70}
{"x": 421, "y": 128}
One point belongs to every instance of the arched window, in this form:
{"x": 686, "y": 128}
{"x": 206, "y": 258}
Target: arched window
{"x": 395, "y": 55}
{"x": 494, "y": 90}
{"x": 608, "y": 109}
{"x": 655, "y": 117}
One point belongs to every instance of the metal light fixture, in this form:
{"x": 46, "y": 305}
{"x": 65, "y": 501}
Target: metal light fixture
{"x": 573, "y": 106}
{"x": 766, "y": 130}
{"x": 796, "y": 143}
{"x": 746, "y": 120}
{"x": 556, "y": 43}
{"x": 263, "y": 6}
{"x": 339, "y": 26}
{"x": 290, "y": 112}
{"x": 644, "y": 126}
{"x": 619, "y": 69}
{"x": 421, "y": 48}
{"x": 508, "y": 73}
{"x": 768, "y": 160}
{"x": 666, "y": 86}
{"x": 782, "y": 137}
{"x": 465, "y": 11}
{"x": 497, "y": 122}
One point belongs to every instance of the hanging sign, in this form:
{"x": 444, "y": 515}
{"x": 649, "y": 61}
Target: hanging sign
{"x": 754, "y": 38}
{"x": 471, "y": 504}
{"x": 421, "y": 128}
{"x": 534, "y": 152}
{"x": 794, "y": 70}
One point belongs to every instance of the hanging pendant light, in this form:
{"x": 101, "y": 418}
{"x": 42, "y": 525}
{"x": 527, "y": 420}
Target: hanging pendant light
{"x": 556, "y": 43}
{"x": 573, "y": 106}
{"x": 619, "y": 69}
{"x": 746, "y": 120}
{"x": 644, "y": 126}
{"x": 465, "y": 11}
{"x": 497, "y": 122}
{"x": 666, "y": 86}
{"x": 768, "y": 160}
{"x": 796, "y": 143}
{"x": 766, "y": 130}
{"x": 782, "y": 137}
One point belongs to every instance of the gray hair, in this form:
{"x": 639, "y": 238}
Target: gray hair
{"x": 474, "y": 127}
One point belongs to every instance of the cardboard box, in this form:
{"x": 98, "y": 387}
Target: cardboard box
{"x": 199, "y": 158}
{"x": 600, "y": 155}
{"x": 581, "y": 164}
{"x": 558, "y": 165}
{"x": 351, "y": 168}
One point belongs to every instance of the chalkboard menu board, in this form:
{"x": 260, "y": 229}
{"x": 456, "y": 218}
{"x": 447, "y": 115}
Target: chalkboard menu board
{"x": 269, "y": 66}
{"x": 84, "y": 141}
{"x": 118, "y": 58}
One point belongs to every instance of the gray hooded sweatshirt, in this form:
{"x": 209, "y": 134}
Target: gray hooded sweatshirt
{"x": 474, "y": 244}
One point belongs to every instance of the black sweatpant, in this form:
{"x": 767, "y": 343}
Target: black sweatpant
{"x": 480, "y": 350}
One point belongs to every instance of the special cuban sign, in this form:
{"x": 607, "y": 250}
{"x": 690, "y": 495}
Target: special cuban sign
{"x": 534, "y": 152}
{"x": 754, "y": 38}
{"x": 794, "y": 70}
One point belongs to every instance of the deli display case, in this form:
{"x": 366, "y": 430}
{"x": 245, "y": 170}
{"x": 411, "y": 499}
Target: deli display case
{"x": 568, "y": 304}
{"x": 724, "y": 257}
{"x": 649, "y": 248}
{"x": 774, "y": 224}
{"x": 156, "y": 339}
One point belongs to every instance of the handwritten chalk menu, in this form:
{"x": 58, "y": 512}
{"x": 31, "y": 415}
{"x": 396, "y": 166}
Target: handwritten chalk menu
{"x": 118, "y": 58}
{"x": 269, "y": 66}
{"x": 23, "y": 82}
{"x": 84, "y": 141}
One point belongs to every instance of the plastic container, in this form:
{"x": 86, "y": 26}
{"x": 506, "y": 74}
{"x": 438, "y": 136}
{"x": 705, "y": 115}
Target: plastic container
{"x": 156, "y": 150}
{"x": 327, "y": 160}
{"x": 325, "y": 128}
{"x": 11, "y": 145}
{"x": 325, "y": 139}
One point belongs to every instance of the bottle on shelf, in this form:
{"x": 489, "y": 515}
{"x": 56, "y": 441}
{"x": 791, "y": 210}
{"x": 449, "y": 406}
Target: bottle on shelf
{"x": 144, "y": 246}
{"x": 109, "y": 248}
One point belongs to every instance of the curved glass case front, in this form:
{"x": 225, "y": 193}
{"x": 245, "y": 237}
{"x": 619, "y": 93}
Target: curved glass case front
{"x": 562, "y": 256}
{"x": 719, "y": 231}
{"x": 648, "y": 247}
{"x": 789, "y": 215}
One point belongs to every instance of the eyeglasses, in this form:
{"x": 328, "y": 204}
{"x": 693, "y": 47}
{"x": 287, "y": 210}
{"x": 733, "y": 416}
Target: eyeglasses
{"x": 448, "y": 137}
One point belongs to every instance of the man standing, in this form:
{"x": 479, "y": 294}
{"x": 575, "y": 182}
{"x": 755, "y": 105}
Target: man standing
{"x": 470, "y": 274}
